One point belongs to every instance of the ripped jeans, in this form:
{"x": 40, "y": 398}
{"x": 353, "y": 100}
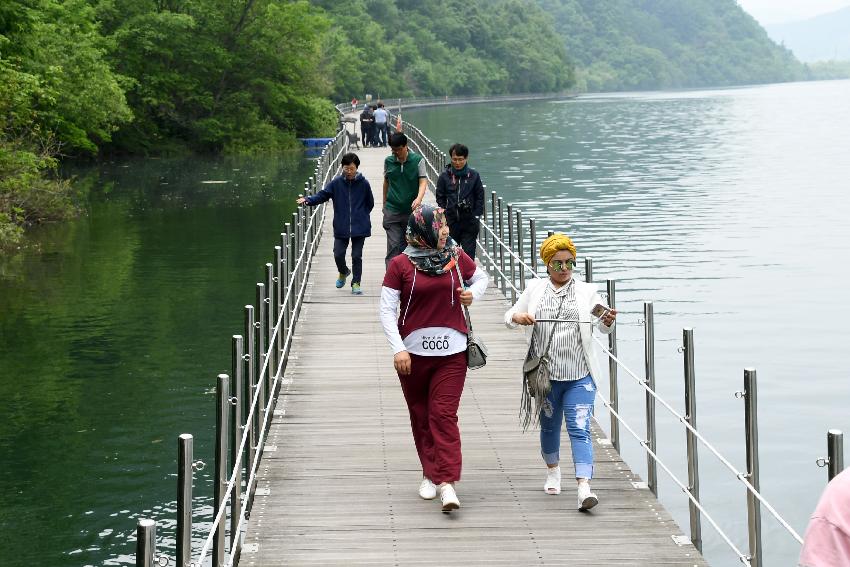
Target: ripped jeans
{"x": 572, "y": 399}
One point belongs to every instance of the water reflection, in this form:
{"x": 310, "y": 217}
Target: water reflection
{"x": 113, "y": 329}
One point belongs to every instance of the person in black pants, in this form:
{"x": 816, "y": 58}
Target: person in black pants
{"x": 461, "y": 193}
{"x": 352, "y": 201}
{"x": 367, "y": 121}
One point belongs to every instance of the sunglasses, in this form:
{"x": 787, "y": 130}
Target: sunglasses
{"x": 562, "y": 265}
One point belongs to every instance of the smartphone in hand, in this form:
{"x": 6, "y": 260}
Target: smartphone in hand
{"x": 599, "y": 310}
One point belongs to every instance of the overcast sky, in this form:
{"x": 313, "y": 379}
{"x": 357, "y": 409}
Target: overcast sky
{"x": 779, "y": 11}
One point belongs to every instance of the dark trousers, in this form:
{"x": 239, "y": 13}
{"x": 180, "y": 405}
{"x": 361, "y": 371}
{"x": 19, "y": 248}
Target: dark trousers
{"x": 396, "y": 225}
{"x": 464, "y": 231}
{"x": 432, "y": 391}
{"x": 340, "y": 246}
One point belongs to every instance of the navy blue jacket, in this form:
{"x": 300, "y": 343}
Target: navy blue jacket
{"x": 352, "y": 201}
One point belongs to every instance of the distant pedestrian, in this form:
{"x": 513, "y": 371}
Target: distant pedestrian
{"x": 405, "y": 181}
{"x": 827, "y": 539}
{"x": 367, "y": 120}
{"x": 352, "y": 202}
{"x": 382, "y": 118}
{"x": 461, "y": 193}
{"x": 421, "y": 312}
{"x": 563, "y": 386}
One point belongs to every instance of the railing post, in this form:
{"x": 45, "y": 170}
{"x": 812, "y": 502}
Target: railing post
{"x": 835, "y": 451}
{"x": 237, "y": 431}
{"x": 511, "y": 246}
{"x": 612, "y": 371}
{"x": 270, "y": 321}
{"x": 501, "y": 220}
{"x": 649, "y": 367}
{"x": 532, "y": 233}
{"x": 588, "y": 269}
{"x": 483, "y": 237}
{"x": 145, "y": 543}
{"x": 262, "y": 308}
{"x": 520, "y": 250}
{"x": 287, "y": 294}
{"x": 250, "y": 388}
{"x": 752, "y": 442}
{"x": 222, "y": 399}
{"x": 493, "y": 227}
{"x": 184, "y": 500}
{"x": 278, "y": 311}
{"x": 693, "y": 453}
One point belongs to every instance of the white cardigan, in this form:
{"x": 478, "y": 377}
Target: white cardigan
{"x": 586, "y": 298}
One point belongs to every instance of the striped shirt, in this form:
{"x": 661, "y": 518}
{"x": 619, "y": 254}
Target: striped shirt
{"x": 565, "y": 350}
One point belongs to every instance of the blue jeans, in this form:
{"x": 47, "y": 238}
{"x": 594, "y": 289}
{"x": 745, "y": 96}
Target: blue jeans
{"x": 572, "y": 399}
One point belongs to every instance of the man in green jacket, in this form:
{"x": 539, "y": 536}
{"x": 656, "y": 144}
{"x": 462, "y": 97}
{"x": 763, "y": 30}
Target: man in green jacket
{"x": 405, "y": 182}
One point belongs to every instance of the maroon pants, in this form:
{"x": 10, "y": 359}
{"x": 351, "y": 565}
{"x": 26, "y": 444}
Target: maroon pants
{"x": 432, "y": 391}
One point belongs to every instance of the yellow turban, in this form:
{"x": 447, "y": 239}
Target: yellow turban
{"x": 554, "y": 244}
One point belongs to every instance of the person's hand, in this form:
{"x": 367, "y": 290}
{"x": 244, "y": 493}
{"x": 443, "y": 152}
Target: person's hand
{"x": 300, "y": 200}
{"x": 415, "y": 204}
{"x": 401, "y": 361}
{"x": 465, "y": 296}
{"x": 523, "y": 318}
{"x": 609, "y": 317}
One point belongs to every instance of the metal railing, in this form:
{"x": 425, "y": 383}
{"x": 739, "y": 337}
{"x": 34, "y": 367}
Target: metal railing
{"x": 507, "y": 249}
{"x": 246, "y": 398}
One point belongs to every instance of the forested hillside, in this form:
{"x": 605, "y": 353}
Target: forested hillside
{"x": 657, "y": 44}
{"x": 83, "y": 78}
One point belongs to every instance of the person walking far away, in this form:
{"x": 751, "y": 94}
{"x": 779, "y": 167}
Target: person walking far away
{"x": 405, "y": 182}
{"x": 367, "y": 120}
{"x": 381, "y": 124}
{"x": 461, "y": 193}
{"x": 352, "y": 201}
{"x": 428, "y": 340}
{"x": 827, "y": 539}
{"x": 563, "y": 386}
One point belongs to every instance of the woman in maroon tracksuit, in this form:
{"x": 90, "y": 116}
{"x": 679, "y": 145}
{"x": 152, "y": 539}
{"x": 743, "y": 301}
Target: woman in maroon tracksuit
{"x": 422, "y": 316}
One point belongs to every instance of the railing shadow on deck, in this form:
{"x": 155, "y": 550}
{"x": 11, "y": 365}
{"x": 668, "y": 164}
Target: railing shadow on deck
{"x": 246, "y": 397}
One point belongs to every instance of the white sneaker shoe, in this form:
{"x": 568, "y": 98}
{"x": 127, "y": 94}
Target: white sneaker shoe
{"x": 586, "y": 499}
{"x": 427, "y": 490}
{"x": 449, "y": 498}
{"x": 553, "y": 481}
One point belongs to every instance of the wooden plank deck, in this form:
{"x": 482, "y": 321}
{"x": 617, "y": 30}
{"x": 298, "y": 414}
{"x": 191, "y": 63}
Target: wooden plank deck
{"x": 342, "y": 481}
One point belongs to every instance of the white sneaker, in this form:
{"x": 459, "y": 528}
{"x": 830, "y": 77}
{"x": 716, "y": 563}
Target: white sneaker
{"x": 553, "y": 481}
{"x": 427, "y": 490}
{"x": 449, "y": 498}
{"x": 586, "y": 499}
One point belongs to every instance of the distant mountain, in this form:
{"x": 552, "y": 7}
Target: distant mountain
{"x": 823, "y": 38}
{"x": 658, "y": 44}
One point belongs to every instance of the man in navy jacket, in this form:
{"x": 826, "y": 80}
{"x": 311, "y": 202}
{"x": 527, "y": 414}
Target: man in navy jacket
{"x": 352, "y": 201}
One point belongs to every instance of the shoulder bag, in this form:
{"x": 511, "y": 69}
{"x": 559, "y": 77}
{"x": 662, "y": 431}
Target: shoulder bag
{"x": 476, "y": 351}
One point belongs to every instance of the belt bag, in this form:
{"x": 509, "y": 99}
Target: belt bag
{"x": 476, "y": 351}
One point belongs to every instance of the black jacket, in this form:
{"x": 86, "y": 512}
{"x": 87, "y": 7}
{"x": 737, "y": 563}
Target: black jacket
{"x": 462, "y": 196}
{"x": 352, "y": 201}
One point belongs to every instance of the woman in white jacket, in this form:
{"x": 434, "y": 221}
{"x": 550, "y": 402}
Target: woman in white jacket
{"x": 563, "y": 387}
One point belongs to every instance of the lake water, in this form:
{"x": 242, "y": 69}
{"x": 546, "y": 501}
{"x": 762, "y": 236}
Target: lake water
{"x": 113, "y": 328}
{"x": 727, "y": 209}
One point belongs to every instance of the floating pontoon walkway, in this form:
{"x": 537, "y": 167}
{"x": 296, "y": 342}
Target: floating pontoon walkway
{"x": 339, "y": 475}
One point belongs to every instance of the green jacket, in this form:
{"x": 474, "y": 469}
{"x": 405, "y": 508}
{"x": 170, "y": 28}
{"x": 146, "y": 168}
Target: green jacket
{"x": 403, "y": 180}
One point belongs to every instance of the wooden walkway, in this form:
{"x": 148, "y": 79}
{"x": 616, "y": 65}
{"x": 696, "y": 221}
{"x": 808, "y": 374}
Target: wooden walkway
{"x": 339, "y": 484}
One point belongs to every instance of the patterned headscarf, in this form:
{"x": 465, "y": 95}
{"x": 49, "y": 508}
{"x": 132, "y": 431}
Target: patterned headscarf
{"x": 554, "y": 244}
{"x": 423, "y": 236}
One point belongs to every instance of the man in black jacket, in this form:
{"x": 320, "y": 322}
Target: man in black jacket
{"x": 461, "y": 193}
